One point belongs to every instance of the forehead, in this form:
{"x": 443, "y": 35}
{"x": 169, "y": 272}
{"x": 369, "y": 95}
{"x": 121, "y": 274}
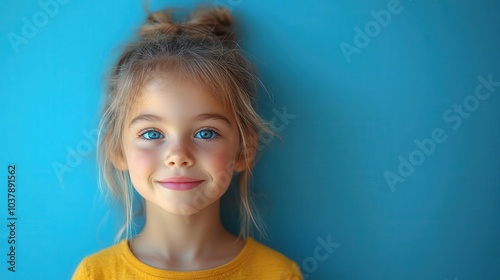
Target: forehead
{"x": 176, "y": 100}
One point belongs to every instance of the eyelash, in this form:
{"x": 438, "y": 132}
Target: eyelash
{"x": 141, "y": 134}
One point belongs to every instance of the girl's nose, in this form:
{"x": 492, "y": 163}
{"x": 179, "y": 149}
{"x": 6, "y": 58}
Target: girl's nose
{"x": 178, "y": 155}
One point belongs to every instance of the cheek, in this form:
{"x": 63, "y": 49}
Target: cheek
{"x": 141, "y": 163}
{"x": 220, "y": 161}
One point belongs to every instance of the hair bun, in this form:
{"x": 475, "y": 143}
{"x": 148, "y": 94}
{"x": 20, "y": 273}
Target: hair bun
{"x": 159, "y": 22}
{"x": 215, "y": 21}
{"x": 204, "y": 21}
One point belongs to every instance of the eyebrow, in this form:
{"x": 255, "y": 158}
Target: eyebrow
{"x": 200, "y": 117}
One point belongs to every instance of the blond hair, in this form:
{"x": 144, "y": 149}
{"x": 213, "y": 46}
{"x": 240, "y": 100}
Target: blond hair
{"x": 204, "y": 50}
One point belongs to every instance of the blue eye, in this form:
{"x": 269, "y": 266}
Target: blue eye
{"x": 207, "y": 134}
{"x": 151, "y": 135}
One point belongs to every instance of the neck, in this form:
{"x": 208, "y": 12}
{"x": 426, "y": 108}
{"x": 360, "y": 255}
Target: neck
{"x": 184, "y": 238}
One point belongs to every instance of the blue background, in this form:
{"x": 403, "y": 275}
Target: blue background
{"x": 356, "y": 117}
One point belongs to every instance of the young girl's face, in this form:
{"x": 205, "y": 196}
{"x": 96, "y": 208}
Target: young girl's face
{"x": 180, "y": 130}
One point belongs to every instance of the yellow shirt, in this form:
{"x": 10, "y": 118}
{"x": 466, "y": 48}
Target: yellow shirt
{"x": 255, "y": 261}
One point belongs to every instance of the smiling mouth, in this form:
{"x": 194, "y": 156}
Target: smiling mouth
{"x": 180, "y": 186}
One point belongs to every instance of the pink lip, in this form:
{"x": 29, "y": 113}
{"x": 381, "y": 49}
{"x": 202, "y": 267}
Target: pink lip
{"x": 180, "y": 183}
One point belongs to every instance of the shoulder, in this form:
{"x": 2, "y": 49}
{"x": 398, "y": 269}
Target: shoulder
{"x": 271, "y": 262}
{"x": 94, "y": 265}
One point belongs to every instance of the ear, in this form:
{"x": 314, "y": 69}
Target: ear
{"x": 250, "y": 152}
{"x": 118, "y": 161}
{"x": 116, "y": 157}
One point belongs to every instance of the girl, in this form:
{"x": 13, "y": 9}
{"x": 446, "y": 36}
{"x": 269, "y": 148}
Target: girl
{"x": 178, "y": 122}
